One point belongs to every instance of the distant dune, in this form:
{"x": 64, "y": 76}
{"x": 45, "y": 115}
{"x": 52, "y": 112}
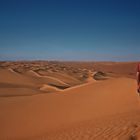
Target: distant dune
{"x": 42, "y": 100}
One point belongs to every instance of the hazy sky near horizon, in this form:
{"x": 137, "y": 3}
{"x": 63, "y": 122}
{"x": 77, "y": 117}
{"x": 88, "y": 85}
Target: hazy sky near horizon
{"x": 102, "y": 30}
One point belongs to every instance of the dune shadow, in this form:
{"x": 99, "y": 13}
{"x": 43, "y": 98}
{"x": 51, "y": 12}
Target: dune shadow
{"x": 10, "y": 85}
{"x": 59, "y": 87}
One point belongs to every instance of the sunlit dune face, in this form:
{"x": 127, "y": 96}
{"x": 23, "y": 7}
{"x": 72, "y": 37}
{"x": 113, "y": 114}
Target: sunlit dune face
{"x": 68, "y": 100}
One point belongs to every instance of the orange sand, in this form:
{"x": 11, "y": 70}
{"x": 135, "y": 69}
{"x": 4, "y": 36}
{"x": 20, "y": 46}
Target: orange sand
{"x": 96, "y": 110}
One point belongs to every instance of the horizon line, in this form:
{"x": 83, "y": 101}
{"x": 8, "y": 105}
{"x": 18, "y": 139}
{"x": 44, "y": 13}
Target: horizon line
{"x": 53, "y": 60}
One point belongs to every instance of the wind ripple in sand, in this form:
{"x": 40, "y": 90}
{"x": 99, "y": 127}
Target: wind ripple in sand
{"x": 115, "y": 128}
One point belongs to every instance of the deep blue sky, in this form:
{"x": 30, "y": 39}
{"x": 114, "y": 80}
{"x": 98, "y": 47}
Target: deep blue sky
{"x": 70, "y": 30}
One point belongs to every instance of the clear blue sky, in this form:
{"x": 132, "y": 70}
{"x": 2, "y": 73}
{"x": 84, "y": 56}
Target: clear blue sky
{"x": 70, "y": 30}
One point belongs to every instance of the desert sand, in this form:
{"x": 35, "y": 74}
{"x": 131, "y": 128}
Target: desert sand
{"x": 69, "y": 101}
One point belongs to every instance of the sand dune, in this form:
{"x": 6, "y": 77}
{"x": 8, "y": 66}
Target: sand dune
{"x": 70, "y": 80}
{"x": 8, "y": 76}
{"x": 48, "y": 88}
{"x": 94, "y": 110}
{"x": 48, "y": 77}
{"x": 110, "y": 107}
{"x": 28, "y": 83}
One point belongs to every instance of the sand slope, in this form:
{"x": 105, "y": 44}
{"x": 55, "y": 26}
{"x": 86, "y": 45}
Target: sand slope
{"x": 28, "y": 83}
{"x": 99, "y": 110}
